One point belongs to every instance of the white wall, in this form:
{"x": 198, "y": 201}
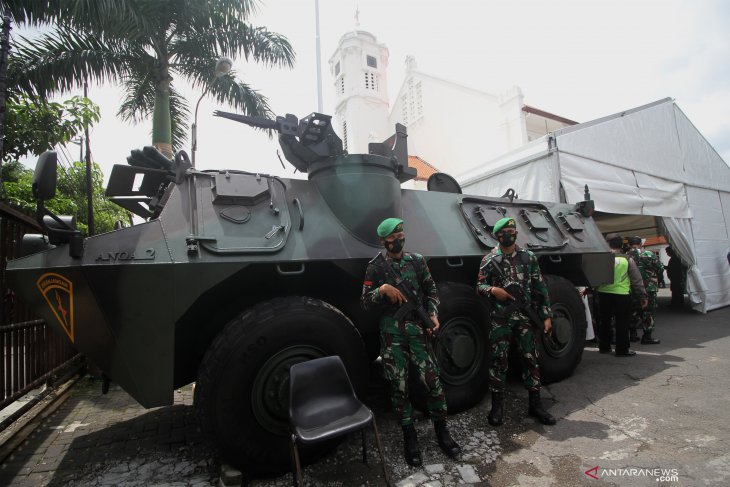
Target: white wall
{"x": 711, "y": 240}
{"x": 361, "y": 91}
{"x": 454, "y": 127}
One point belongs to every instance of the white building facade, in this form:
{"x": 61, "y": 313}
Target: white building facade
{"x": 359, "y": 68}
{"x": 451, "y": 126}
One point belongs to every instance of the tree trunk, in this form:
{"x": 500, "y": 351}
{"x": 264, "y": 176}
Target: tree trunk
{"x": 161, "y": 126}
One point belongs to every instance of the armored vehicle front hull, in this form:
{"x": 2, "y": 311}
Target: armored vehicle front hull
{"x": 236, "y": 276}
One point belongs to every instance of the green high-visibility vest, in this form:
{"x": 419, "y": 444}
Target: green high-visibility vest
{"x": 621, "y": 283}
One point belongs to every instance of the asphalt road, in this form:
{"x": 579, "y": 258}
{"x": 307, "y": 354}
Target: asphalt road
{"x": 659, "y": 418}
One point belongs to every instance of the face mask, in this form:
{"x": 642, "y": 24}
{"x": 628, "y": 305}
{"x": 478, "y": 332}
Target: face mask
{"x": 395, "y": 246}
{"x": 507, "y": 239}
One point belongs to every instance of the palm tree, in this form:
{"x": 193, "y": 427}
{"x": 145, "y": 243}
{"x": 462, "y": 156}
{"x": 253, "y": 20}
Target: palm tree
{"x": 142, "y": 44}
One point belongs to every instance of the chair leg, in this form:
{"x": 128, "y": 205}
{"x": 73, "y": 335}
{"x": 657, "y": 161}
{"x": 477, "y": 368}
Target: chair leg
{"x": 297, "y": 473}
{"x": 364, "y": 448}
{"x": 380, "y": 452}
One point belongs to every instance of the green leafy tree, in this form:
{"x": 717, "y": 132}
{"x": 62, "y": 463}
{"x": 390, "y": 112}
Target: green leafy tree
{"x": 35, "y": 126}
{"x": 141, "y": 44}
{"x": 70, "y": 196}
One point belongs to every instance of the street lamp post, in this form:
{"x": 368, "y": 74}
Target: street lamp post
{"x": 222, "y": 67}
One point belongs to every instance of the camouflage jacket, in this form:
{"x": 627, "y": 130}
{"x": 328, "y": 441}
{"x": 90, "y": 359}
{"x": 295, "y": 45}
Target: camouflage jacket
{"x": 522, "y": 267}
{"x": 412, "y": 268}
{"x": 650, "y": 267}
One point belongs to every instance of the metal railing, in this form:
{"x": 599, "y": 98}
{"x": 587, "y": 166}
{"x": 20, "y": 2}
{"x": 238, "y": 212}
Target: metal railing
{"x": 30, "y": 352}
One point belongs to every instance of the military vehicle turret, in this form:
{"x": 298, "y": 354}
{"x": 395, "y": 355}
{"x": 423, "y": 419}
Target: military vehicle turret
{"x": 234, "y": 276}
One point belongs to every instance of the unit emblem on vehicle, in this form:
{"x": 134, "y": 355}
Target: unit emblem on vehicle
{"x": 59, "y": 294}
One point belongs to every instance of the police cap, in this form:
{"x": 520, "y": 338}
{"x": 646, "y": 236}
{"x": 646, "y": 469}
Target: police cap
{"x": 634, "y": 240}
{"x": 614, "y": 240}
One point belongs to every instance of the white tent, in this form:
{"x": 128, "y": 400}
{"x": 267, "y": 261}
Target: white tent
{"x": 648, "y": 161}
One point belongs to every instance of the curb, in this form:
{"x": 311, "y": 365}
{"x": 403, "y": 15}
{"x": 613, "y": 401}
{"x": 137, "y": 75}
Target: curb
{"x": 21, "y": 428}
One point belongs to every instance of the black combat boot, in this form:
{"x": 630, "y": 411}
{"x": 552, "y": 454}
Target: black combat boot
{"x": 633, "y": 335}
{"x": 538, "y": 411}
{"x": 646, "y": 339}
{"x": 496, "y": 414}
{"x": 445, "y": 441}
{"x": 410, "y": 446}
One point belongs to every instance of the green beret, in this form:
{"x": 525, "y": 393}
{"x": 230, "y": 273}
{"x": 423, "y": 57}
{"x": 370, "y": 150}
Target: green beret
{"x": 390, "y": 225}
{"x": 504, "y": 223}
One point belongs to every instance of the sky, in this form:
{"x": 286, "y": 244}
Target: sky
{"x": 580, "y": 59}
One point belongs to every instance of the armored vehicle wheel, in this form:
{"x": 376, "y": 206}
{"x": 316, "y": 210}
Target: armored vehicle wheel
{"x": 461, "y": 348}
{"x": 242, "y": 394}
{"x": 561, "y": 353}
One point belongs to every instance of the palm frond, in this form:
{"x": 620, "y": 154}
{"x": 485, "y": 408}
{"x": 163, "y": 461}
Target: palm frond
{"x": 225, "y": 89}
{"x": 199, "y": 71}
{"x": 256, "y": 43}
{"x": 139, "y": 98}
{"x": 179, "y": 116}
{"x": 241, "y": 96}
{"x": 31, "y": 12}
{"x": 63, "y": 59}
{"x": 103, "y": 15}
{"x": 200, "y": 15}
{"x": 132, "y": 20}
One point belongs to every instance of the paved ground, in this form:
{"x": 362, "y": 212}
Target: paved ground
{"x": 627, "y": 421}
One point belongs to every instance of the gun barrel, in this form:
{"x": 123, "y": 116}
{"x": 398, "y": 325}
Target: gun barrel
{"x": 260, "y": 122}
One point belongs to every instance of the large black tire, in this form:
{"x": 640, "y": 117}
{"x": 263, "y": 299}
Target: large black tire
{"x": 242, "y": 393}
{"x": 461, "y": 348}
{"x": 561, "y": 352}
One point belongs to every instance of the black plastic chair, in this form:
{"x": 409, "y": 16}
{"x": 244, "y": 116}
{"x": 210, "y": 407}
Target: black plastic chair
{"x": 323, "y": 405}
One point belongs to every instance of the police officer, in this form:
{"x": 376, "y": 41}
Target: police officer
{"x": 614, "y": 302}
{"x": 406, "y": 341}
{"x": 650, "y": 268}
{"x": 504, "y": 264}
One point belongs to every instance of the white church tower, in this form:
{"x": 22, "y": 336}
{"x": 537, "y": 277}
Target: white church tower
{"x": 359, "y": 68}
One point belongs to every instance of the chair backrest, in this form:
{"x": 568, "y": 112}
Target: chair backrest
{"x": 318, "y": 381}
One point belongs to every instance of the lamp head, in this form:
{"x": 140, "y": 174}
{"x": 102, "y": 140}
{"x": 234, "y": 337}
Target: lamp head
{"x": 223, "y": 66}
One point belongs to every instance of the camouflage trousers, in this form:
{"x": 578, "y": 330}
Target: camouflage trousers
{"x": 502, "y": 333}
{"x": 398, "y": 351}
{"x": 643, "y": 318}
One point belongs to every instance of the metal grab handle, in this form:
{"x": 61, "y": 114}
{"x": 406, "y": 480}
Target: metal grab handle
{"x": 455, "y": 262}
{"x": 295, "y": 272}
{"x": 556, "y": 259}
{"x": 298, "y": 204}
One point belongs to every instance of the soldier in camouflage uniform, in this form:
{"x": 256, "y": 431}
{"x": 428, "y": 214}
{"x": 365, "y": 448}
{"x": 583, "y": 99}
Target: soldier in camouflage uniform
{"x": 508, "y": 323}
{"x": 651, "y": 268}
{"x": 406, "y": 341}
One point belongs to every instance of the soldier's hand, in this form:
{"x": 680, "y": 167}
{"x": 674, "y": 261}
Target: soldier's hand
{"x": 392, "y": 293}
{"x": 501, "y": 294}
{"x": 644, "y": 303}
{"x": 548, "y": 324}
{"x": 436, "y": 324}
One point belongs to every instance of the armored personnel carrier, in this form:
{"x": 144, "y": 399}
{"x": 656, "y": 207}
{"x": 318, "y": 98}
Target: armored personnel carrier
{"x": 234, "y": 276}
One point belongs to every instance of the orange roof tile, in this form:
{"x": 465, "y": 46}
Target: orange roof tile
{"x": 423, "y": 168}
{"x": 659, "y": 240}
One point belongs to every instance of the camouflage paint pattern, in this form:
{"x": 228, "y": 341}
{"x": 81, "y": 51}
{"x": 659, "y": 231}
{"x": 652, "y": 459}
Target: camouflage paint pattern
{"x": 516, "y": 326}
{"x": 406, "y": 342}
{"x": 397, "y": 351}
{"x": 644, "y": 318}
{"x": 513, "y": 270}
{"x": 651, "y": 268}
